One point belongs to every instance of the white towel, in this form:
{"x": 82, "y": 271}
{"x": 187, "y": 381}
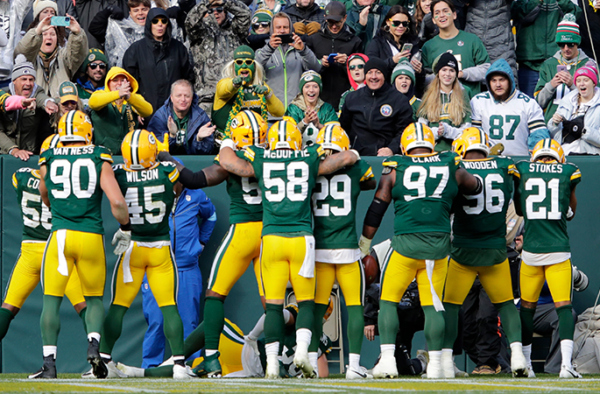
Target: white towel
{"x": 61, "y": 238}
{"x": 127, "y": 278}
{"x": 429, "y": 265}
{"x": 308, "y": 266}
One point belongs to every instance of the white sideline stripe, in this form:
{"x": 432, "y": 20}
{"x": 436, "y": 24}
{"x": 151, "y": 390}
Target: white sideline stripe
{"x": 118, "y": 388}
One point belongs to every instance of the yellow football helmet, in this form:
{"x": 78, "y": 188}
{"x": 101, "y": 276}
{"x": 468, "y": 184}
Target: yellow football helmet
{"x": 416, "y": 135}
{"x": 284, "y": 135}
{"x": 248, "y": 128}
{"x": 75, "y": 126}
{"x": 548, "y": 147}
{"x": 333, "y": 137}
{"x": 139, "y": 150}
{"x": 52, "y": 141}
{"x": 471, "y": 139}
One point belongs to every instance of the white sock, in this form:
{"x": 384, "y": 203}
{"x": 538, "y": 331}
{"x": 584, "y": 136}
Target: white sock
{"x": 49, "y": 351}
{"x": 566, "y": 350}
{"x": 94, "y": 335}
{"x": 387, "y": 350}
{"x": 354, "y": 361}
{"x": 448, "y": 351}
{"x": 313, "y": 357}
{"x": 516, "y": 346}
{"x": 435, "y": 355}
{"x": 105, "y": 356}
{"x": 303, "y": 336}
{"x": 272, "y": 348}
{"x": 209, "y": 352}
{"x": 527, "y": 353}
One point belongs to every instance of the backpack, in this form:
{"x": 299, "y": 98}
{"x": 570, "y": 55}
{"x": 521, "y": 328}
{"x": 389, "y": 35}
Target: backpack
{"x": 586, "y": 340}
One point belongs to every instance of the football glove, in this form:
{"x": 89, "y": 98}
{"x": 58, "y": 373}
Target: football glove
{"x": 121, "y": 239}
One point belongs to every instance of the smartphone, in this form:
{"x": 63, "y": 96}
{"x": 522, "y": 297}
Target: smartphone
{"x": 561, "y": 67}
{"x": 331, "y": 58}
{"x": 286, "y": 38}
{"x": 64, "y": 21}
{"x": 407, "y": 47}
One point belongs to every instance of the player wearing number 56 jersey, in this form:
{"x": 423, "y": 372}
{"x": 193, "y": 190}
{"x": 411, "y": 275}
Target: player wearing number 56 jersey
{"x": 287, "y": 176}
{"x": 423, "y": 185}
{"x": 479, "y": 244}
{"x": 72, "y": 181}
{"x": 507, "y": 115}
{"x": 337, "y": 254}
{"x": 545, "y": 197}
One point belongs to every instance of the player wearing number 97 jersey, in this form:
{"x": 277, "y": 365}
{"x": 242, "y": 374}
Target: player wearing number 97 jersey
{"x": 73, "y": 179}
{"x": 545, "y": 196}
{"x": 337, "y": 254}
{"x": 423, "y": 185}
{"x": 479, "y": 244}
{"x": 287, "y": 176}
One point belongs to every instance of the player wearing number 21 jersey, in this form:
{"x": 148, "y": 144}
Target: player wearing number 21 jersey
{"x": 545, "y": 196}
{"x": 423, "y": 185}
{"x": 287, "y": 176}
{"x": 72, "y": 181}
{"x": 507, "y": 115}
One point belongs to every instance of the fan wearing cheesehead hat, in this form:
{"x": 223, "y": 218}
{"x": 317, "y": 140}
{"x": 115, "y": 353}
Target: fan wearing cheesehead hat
{"x": 72, "y": 181}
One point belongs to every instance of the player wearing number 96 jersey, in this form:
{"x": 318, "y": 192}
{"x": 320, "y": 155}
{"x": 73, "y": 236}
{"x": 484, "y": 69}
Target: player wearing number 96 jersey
{"x": 545, "y": 197}
{"x": 337, "y": 254}
{"x": 423, "y": 185}
{"x": 479, "y": 243}
{"x": 73, "y": 179}
{"x": 287, "y": 176}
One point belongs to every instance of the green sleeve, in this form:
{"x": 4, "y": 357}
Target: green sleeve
{"x": 327, "y": 114}
{"x": 480, "y": 54}
{"x": 295, "y": 112}
{"x": 520, "y": 8}
{"x": 567, "y": 6}
{"x": 545, "y": 76}
{"x": 425, "y": 56}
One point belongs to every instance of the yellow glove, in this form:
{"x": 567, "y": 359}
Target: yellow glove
{"x": 312, "y": 28}
{"x": 299, "y": 28}
{"x": 164, "y": 145}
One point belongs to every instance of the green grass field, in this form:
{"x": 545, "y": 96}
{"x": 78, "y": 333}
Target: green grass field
{"x": 71, "y": 383}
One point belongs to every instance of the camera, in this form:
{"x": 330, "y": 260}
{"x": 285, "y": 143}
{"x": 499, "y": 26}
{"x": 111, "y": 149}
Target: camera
{"x": 580, "y": 280}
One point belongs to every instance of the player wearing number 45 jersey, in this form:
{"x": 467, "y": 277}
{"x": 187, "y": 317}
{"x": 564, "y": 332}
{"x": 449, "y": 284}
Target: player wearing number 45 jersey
{"x": 506, "y": 114}
{"x": 72, "y": 181}
{"x": 545, "y": 197}
{"x": 287, "y": 176}
{"x": 423, "y": 185}
{"x": 479, "y": 244}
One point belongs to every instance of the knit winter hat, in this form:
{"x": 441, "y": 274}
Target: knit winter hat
{"x": 93, "y": 55}
{"x": 22, "y": 67}
{"x": 376, "y": 63}
{"x": 589, "y": 70}
{"x": 404, "y": 68}
{"x": 41, "y": 5}
{"x": 445, "y": 59}
{"x": 568, "y": 30}
{"x": 310, "y": 76}
{"x": 262, "y": 15}
{"x": 243, "y": 52}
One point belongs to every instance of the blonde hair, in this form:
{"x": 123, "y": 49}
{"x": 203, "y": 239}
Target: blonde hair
{"x": 432, "y": 107}
{"x": 258, "y": 77}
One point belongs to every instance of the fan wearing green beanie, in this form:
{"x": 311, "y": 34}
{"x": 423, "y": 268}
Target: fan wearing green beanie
{"x": 92, "y": 74}
{"x": 403, "y": 79}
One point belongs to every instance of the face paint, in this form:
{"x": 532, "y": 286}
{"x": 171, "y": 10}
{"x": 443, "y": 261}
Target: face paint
{"x": 245, "y": 68}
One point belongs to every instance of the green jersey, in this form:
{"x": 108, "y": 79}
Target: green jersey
{"x": 286, "y": 180}
{"x": 334, "y": 206}
{"x": 245, "y": 196}
{"x": 36, "y": 215}
{"x": 149, "y": 196}
{"x": 73, "y": 183}
{"x": 545, "y": 193}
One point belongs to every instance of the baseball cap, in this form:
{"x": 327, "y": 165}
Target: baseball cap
{"x": 335, "y": 11}
{"x": 67, "y": 92}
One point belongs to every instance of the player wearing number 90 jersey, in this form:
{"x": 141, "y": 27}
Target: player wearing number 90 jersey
{"x": 545, "y": 196}
{"x": 337, "y": 254}
{"x": 423, "y": 185}
{"x": 479, "y": 243}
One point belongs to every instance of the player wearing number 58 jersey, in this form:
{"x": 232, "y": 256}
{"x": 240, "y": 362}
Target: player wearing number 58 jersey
{"x": 545, "y": 197}
{"x": 287, "y": 176}
{"x": 73, "y": 179}
{"x": 507, "y": 115}
{"x": 479, "y": 244}
{"x": 423, "y": 185}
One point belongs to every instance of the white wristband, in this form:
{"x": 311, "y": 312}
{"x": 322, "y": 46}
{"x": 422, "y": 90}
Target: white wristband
{"x": 364, "y": 244}
{"x": 356, "y": 153}
{"x": 227, "y": 143}
{"x": 570, "y": 213}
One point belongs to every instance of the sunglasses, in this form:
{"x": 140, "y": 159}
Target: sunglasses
{"x": 68, "y": 103}
{"x": 260, "y": 24}
{"x": 247, "y": 62}
{"x": 400, "y": 23}
{"x": 356, "y": 67}
{"x": 161, "y": 20}
{"x": 331, "y": 22}
{"x": 216, "y": 9}
{"x": 94, "y": 66}
{"x": 569, "y": 44}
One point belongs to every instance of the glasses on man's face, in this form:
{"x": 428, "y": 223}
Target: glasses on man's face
{"x": 400, "y": 23}
{"x": 334, "y": 23}
{"x": 161, "y": 20}
{"x": 247, "y": 62}
{"x": 356, "y": 67}
{"x": 569, "y": 44}
{"x": 94, "y": 66}
{"x": 260, "y": 24}
{"x": 216, "y": 9}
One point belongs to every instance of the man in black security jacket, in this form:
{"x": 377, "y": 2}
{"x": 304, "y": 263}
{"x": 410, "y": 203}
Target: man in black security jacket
{"x": 375, "y": 116}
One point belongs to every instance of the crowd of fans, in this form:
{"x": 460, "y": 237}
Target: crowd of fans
{"x": 186, "y": 69}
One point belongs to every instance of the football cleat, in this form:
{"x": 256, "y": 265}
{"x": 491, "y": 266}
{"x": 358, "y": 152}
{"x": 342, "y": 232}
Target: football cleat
{"x": 530, "y": 373}
{"x": 423, "y": 357}
{"x": 181, "y": 372}
{"x": 248, "y": 128}
{"x": 518, "y": 363}
{"x": 447, "y": 363}
{"x": 567, "y": 372}
{"x": 548, "y": 148}
{"x": 386, "y": 368}
{"x": 416, "y": 135}
{"x": 284, "y": 134}
{"x": 272, "y": 371}
{"x": 93, "y": 357}
{"x": 113, "y": 371}
{"x": 434, "y": 369}
{"x": 48, "y": 370}
{"x": 210, "y": 367}
{"x": 302, "y": 362}
{"x": 361, "y": 373}
{"x": 139, "y": 150}
{"x": 75, "y": 126}
{"x": 131, "y": 372}
{"x": 471, "y": 139}
{"x": 333, "y": 137}
{"x": 51, "y": 142}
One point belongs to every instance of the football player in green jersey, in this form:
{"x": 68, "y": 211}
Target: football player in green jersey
{"x": 36, "y": 228}
{"x": 545, "y": 197}
{"x": 148, "y": 189}
{"x": 287, "y": 175}
{"x": 423, "y": 185}
{"x": 72, "y": 181}
{"x": 479, "y": 245}
{"x": 337, "y": 255}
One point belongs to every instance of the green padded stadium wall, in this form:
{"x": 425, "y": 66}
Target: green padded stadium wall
{"x": 21, "y": 349}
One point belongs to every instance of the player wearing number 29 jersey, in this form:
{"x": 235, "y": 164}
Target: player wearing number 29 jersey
{"x": 545, "y": 196}
{"x": 479, "y": 243}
